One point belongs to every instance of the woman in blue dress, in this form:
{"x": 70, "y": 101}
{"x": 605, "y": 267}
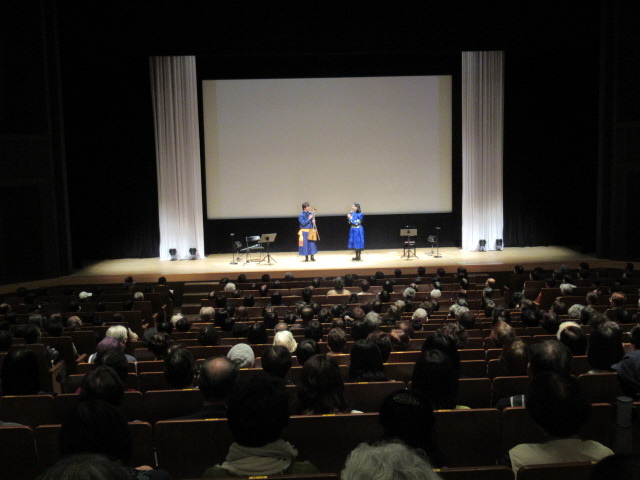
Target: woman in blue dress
{"x": 356, "y": 232}
{"x": 306, "y": 247}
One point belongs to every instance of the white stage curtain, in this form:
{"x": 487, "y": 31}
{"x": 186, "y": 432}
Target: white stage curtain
{"x": 482, "y": 133}
{"x": 175, "y": 105}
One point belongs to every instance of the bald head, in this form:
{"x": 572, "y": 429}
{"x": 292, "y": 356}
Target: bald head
{"x": 217, "y": 377}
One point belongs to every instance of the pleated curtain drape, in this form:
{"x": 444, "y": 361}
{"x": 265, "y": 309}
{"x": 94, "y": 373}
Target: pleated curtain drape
{"x": 175, "y": 105}
{"x": 482, "y": 137}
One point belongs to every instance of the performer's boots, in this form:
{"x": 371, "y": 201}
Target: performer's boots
{"x": 306, "y": 258}
{"x": 312, "y": 258}
{"x": 356, "y": 257}
{"x": 358, "y": 252}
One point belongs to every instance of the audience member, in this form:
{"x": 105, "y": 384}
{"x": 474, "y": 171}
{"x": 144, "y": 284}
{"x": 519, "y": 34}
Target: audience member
{"x": 179, "y": 368}
{"x": 215, "y": 381}
{"x": 242, "y": 355}
{"x": 435, "y": 377}
{"x": 258, "y": 412}
{"x": 387, "y": 461}
{"x": 277, "y": 361}
{"x": 605, "y": 347}
{"x": 558, "y": 406}
{"x": 366, "y": 362}
{"x": 286, "y": 339}
{"x": 321, "y": 388}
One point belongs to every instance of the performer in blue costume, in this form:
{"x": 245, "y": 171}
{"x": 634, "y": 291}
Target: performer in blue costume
{"x": 356, "y": 232}
{"x": 307, "y": 222}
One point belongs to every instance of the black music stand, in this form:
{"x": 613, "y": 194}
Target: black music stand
{"x": 409, "y": 243}
{"x": 267, "y": 238}
{"x": 436, "y": 240}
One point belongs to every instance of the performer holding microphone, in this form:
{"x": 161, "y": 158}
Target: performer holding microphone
{"x": 307, "y": 235}
{"x": 356, "y": 232}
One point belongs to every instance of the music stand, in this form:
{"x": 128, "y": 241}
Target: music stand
{"x": 409, "y": 244}
{"x": 437, "y": 242}
{"x": 267, "y": 238}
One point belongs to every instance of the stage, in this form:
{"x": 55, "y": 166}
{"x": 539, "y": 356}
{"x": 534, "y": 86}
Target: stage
{"x": 327, "y": 264}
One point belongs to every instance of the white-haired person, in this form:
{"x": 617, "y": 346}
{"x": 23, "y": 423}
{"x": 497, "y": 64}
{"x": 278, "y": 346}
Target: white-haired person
{"x": 122, "y": 334}
{"x": 387, "y": 461}
{"x": 285, "y": 338}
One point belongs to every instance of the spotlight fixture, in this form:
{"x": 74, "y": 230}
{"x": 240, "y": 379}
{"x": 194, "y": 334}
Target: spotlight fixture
{"x": 482, "y": 247}
{"x": 499, "y": 245}
{"x": 174, "y": 253}
{"x": 193, "y": 253}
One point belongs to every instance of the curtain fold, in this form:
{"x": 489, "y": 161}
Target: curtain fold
{"x": 482, "y": 138}
{"x": 175, "y": 106}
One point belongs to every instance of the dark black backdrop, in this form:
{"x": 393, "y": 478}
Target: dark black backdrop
{"x": 551, "y": 122}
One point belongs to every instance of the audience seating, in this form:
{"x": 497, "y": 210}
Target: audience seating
{"x": 339, "y": 435}
{"x": 504, "y": 387}
{"x": 368, "y": 396}
{"x": 167, "y": 404}
{"x": 468, "y": 438}
{"x": 476, "y": 473}
{"x": 48, "y": 446}
{"x": 30, "y": 410}
{"x": 601, "y": 387}
{"x": 567, "y": 471}
{"x": 517, "y": 427}
{"x": 18, "y": 457}
{"x": 474, "y": 392}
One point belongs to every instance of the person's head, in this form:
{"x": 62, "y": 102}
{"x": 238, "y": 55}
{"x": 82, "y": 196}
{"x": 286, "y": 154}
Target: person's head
{"x": 6, "y": 338}
{"x": 257, "y": 410}
{"x": 387, "y": 461}
{"x": 257, "y": 334}
{"x": 31, "y": 334}
{"x": 306, "y": 349}
{"x": 103, "y": 383}
{"x": 74, "y": 322}
{"x": 383, "y": 342}
{"x": 55, "y": 328}
{"x": 313, "y": 330}
{"x": 216, "y": 379}
{"x": 605, "y": 346}
{"x": 158, "y": 345}
{"x": 242, "y": 355}
{"x": 338, "y": 284}
{"x": 549, "y": 356}
{"x": 208, "y": 336}
{"x": 116, "y": 360}
{"x": 180, "y": 368}
{"x": 573, "y": 337}
{"x": 617, "y": 299}
{"x": 86, "y": 467}
{"x": 321, "y": 389}
{"x": 408, "y": 417}
{"x": 276, "y": 361}
{"x": 557, "y": 404}
{"x": 436, "y": 377}
{"x": 20, "y": 374}
{"x": 96, "y": 426}
{"x": 502, "y": 333}
{"x": 119, "y": 332}
{"x": 550, "y": 322}
{"x": 365, "y": 361}
{"x": 285, "y": 339}
{"x": 515, "y": 357}
{"x": 399, "y": 340}
{"x": 336, "y": 340}
{"x": 445, "y": 344}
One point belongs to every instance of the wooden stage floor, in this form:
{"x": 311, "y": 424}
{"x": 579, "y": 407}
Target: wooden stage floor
{"x": 327, "y": 263}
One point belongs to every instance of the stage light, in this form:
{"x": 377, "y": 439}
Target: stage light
{"x": 482, "y": 247}
{"x": 499, "y": 245}
{"x": 174, "y": 253}
{"x": 193, "y": 253}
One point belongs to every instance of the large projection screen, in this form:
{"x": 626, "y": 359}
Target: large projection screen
{"x": 271, "y": 144}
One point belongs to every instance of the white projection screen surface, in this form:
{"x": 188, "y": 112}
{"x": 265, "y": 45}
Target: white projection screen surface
{"x": 272, "y": 144}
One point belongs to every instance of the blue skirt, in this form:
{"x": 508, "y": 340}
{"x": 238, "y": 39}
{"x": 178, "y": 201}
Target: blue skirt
{"x": 307, "y": 248}
{"x": 356, "y": 238}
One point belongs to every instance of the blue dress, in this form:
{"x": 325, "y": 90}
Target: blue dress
{"x": 356, "y": 232}
{"x": 305, "y": 247}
